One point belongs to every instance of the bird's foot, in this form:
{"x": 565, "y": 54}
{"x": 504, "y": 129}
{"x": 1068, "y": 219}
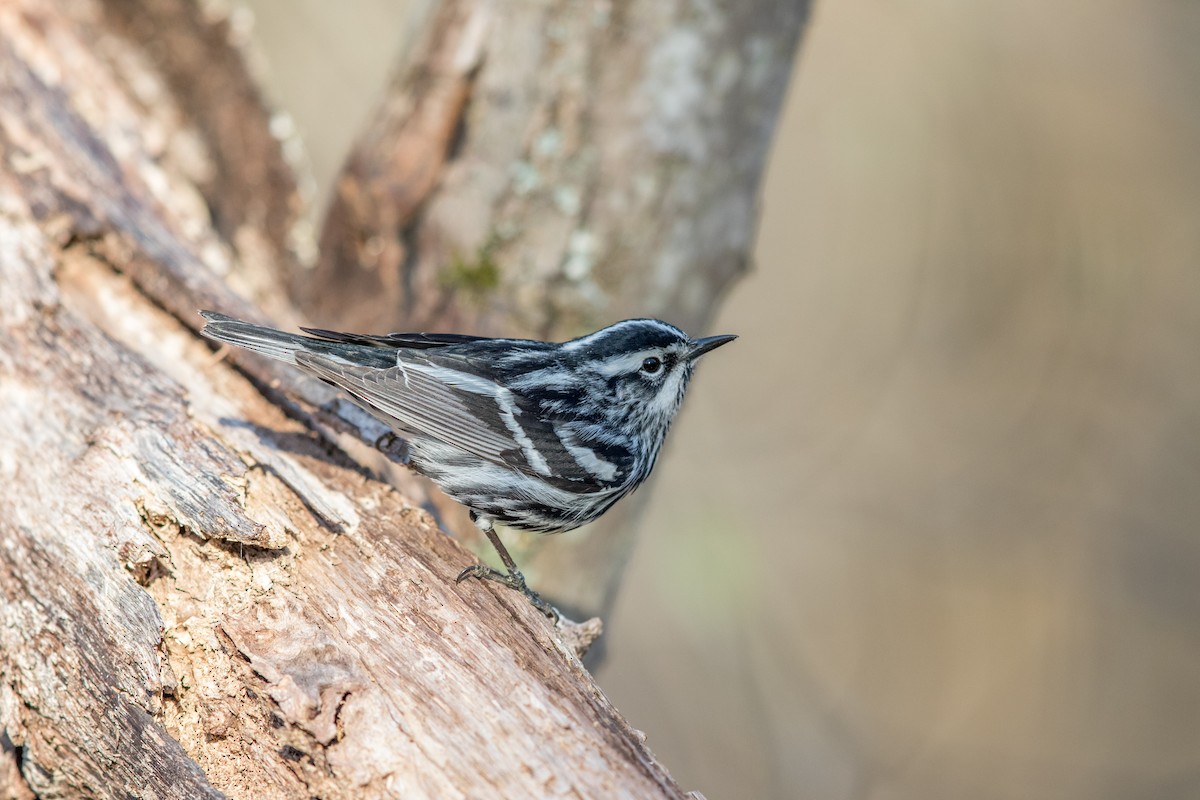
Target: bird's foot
{"x": 513, "y": 580}
{"x": 393, "y": 446}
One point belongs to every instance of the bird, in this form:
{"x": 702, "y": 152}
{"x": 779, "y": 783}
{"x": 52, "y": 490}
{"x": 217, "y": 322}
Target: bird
{"x": 533, "y": 435}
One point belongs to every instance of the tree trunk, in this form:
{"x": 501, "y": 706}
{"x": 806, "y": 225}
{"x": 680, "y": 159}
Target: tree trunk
{"x": 198, "y": 595}
{"x": 544, "y": 167}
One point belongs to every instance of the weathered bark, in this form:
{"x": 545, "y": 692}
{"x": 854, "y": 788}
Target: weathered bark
{"x": 198, "y": 596}
{"x": 543, "y": 167}
{"x": 246, "y": 182}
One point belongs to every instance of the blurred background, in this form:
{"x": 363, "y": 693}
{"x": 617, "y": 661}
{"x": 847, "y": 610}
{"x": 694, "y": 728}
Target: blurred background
{"x": 931, "y": 528}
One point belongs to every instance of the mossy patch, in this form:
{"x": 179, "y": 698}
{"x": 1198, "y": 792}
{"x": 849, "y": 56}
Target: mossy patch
{"x": 476, "y": 275}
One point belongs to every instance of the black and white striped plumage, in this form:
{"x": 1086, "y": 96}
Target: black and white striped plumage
{"x": 534, "y": 435}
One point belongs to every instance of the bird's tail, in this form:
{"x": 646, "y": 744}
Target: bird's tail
{"x": 267, "y": 341}
{"x": 284, "y": 346}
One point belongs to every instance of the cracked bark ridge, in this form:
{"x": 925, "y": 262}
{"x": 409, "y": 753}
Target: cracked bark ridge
{"x": 198, "y": 596}
{"x": 544, "y": 167}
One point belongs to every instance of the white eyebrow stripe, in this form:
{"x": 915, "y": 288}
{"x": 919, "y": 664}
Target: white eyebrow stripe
{"x": 625, "y": 362}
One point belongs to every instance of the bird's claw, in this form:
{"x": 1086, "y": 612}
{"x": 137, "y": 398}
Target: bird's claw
{"x": 485, "y": 573}
{"x": 514, "y": 581}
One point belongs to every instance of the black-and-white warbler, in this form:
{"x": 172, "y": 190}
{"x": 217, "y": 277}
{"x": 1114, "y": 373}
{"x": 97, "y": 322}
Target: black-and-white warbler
{"x": 539, "y": 436}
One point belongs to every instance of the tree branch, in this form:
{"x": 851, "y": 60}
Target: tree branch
{"x": 198, "y": 596}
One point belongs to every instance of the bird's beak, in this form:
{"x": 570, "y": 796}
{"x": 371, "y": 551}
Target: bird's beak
{"x": 702, "y": 346}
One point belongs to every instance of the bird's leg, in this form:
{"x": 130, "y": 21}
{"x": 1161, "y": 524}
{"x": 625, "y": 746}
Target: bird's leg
{"x": 513, "y": 579}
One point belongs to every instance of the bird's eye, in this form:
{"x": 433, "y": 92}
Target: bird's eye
{"x": 651, "y": 365}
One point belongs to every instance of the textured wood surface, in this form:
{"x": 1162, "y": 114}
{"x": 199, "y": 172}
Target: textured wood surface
{"x": 199, "y": 596}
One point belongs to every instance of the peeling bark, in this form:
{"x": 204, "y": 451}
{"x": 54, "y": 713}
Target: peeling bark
{"x": 200, "y": 596}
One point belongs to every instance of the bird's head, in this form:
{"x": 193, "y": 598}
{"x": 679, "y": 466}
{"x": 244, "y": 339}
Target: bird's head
{"x": 646, "y": 365}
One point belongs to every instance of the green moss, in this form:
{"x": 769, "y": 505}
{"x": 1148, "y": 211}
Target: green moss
{"x": 477, "y": 275}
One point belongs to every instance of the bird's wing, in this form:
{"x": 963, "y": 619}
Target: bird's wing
{"x": 419, "y": 341}
{"x": 479, "y": 416}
